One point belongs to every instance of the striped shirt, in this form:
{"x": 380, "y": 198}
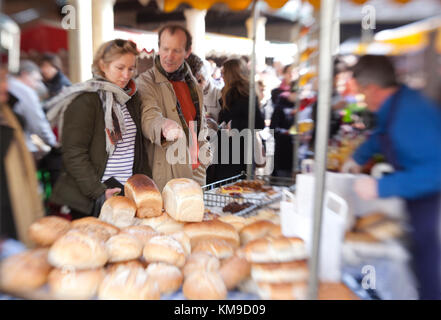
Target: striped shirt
{"x": 120, "y": 163}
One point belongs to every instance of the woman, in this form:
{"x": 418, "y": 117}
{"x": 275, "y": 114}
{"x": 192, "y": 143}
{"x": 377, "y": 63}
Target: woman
{"x": 53, "y": 77}
{"x": 102, "y": 141}
{"x": 234, "y": 113}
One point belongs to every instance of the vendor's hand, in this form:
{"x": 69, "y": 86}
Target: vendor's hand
{"x": 111, "y": 192}
{"x": 212, "y": 124}
{"x": 350, "y": 166}
{"x": 171, "y": 130}
{"x": 366, "y": 188}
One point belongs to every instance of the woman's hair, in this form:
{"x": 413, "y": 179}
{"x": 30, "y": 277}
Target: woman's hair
{"x": 52, "y": 59}
{"x": 235, "y": 76}
{"x": 110, "y": 51}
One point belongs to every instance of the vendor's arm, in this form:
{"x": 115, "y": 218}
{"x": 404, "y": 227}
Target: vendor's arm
{"x": 367, "y": 149}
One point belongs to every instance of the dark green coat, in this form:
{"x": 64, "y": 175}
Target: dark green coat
{"x": 84, "y": 152}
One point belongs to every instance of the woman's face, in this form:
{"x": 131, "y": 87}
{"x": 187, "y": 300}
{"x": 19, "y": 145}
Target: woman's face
{"x": 120, "y": 70}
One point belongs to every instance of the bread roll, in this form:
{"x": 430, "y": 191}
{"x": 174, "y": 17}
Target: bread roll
{"x": 283, "y": 291}
{"x": 184, "y": 200}
{"x": 184, "y": 240}
{"x": 131, "y": 264}
{"x": 142, "y": 233}
{"x": 124, "y": 283}
{"x": 163, "y": 223}
{"x": 221, "y": 249}
{"x": 256, "y": 230}
{"x": 369, "y": 220}
{"x": 25, "y": 271}
{"x": 144, "y": 192}
{"x": 281, "y": 249}
{"x": 119, "y": 211}
{"x": 204, "y": 285}
{"x": 46, "y": 230}
{"x": 234, "y": 270}
{"x": 293, "y": 271}
{"x": 213, "y": 229}
{"x": 201, "y": 261}
{"x": 95, "y": 227}
{"x": 360, "y": 237}
{"x": 385, "y": 230}
{"x": 168, "y": 277}
{"x": 78, "y": 250}
{"x": 75, "y": 284}
{"x": 238, "y": 222}
{"x": 164, "y": 249}
{"x": 123, "y": 247}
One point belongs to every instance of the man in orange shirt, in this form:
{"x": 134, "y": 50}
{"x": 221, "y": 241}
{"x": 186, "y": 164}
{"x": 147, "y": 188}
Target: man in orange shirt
{"x": 173, "y": 115}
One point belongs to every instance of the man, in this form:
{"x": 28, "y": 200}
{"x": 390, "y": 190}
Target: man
{"x": 23, "y": 86}
{"x": 173, "y": 112}
{"x": 408, "y": 134}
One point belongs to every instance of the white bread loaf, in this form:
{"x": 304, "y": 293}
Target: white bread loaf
{"x": 164, "y": 249}
{"x": 78, "y": 250}
{"x": 280, "y": 249}
{"x": 144, "y": 192}
{"x": 123, "y": 247}
{"x": 119, "y": 211}
{"x": 258, "y": 229}
{"x": 234, "y": 270}
{"x": 221, "y": 249}
{"x": 168, "y": 277}
{"x": 95, "y": 227}
{"x": 142, "y": 233}
{"x": 284, "y": 272}
{"x": 184, "y": 240}
{"x": 211, "y": 229}
{"x": 204, "y": 285}
{"x": 75, "y": 284}
{"x": 163, "y": 223}
{"x": 200, "y": 261}
{"x": 46, "y": 230}
{"x": 184, "y": 200}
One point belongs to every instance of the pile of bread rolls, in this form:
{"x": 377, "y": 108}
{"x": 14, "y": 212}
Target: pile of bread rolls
{"x": 148, "y": 245}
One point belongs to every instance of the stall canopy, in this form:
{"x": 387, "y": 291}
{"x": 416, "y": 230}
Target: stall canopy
{"x": 316, "y": 3}
{"x": 170, "y": 5}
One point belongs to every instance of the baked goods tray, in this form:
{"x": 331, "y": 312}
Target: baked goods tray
{"x": 253, "y": 200}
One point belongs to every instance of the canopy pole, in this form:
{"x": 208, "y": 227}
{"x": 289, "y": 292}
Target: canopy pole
{"x": 322, "y": 132}
{"x": 252, "y": 95}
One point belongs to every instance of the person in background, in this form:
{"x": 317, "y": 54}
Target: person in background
{"x": 23, "y": 87}
{"x": 173, "y": 114}
{"x": 234, "y": 114}
{"x": 408, "y": 134}
{"x": 53, "y": 77}
{"x": 285, "y": 85}
{"x": 101, "y": 136}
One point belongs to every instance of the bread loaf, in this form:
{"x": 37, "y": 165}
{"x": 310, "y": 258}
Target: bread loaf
{"x": 204, "y": 285}
{"x": 293, "y": 271}
{"x": 164, "y": 249}
{"x": 119, "y": 211}
{"x": 144, "y": 192}
{"x": 184, "y": 200}
{"x": 221, "y": 249}
{"x": 280, "y": 249}
{"x": 168, "y": 277}
{"x": 212, "y": 229}
{"x": 163, "y": 223}
{"x": 75, "y": 284}
{"x": 95, "y": 227}
{"x": 46, "y": 230}
{"x": 234, "y": 270}
{"x": 142, "y": 233}
{"x": 238, "y": 222}
{"x": 201, "y": 261}
{"x": 256, "y": 230}
{"x": 123, "y": 247}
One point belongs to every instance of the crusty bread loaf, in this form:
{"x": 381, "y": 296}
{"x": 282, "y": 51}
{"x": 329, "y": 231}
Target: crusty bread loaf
{"x": 164, "y": 249}
{"x": 125, "y": 283}
{"x": 293, "y": 271}
{"x": 163, "y": 223}
{"x": 142, "y": 233}
{"x": 144, "y": 192}
{"x": 46, "y": 230}
{"x": 123, "y": 247}
{"x": 201, "y": 261}
{"x": 25, "y": 271}
{"x": 280, "y": 249}
{"x": 204, "y": 285}
{"x": 184, "y": 240}
{"x": 131, "y": 264}
{"x": 184, "y": 200}
{"x": 119, "y": 211}
{"x": 234, "y": 270}
{"x": 95, "y": 227}
{"x": 168, "y": 277}
{"x": 75, "y": 284}
{"x": 221, "y": 249}
{"x": 256, "y": 230}
{"x": 78, "y": 250}
{"x": 283, "y": 291}
{"x": 212, "y": 229}
{"x": 238, "y": 222}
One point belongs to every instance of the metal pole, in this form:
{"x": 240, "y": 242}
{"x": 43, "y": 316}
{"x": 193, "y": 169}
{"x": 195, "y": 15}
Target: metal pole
{"x": 252, "y": 95}
{"x": 322, "y": 132}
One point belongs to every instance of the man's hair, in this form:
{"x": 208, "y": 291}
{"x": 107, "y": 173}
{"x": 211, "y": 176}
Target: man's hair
{"x": 27, "y": 66}
{"x": 172, "y": 28}
{"x": 52, "y": 59}
{"x": 375, "y": 69}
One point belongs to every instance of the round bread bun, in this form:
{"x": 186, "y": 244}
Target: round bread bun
{"x": 280, "y": 249}
{"x": 198, "y": 231}
{"x": 184, "y": 240}
{"x": 293, "y": 271}
{"x": 200, "y": 261}
{"x": 283, "y": 291}
{"x": 118, "y": 211}
{"x": 142, "y": 233}
{"x": 234, "y": 270}
{"x": 268, "y": 214}
{"x": 78, "y": 250}
{"x": 46, "y": 230}
{"x": 204, "y": 285}
{"x": 123, "y": 247}
{"x": 168, "y": 277}
{"x": 221, "y": 249}
{"x": 164, "y": 249}
{"x": 132, "y": 264}
{"x": 163, "y": 224}
{"x": 385, "y": 230}
{"x": 25, "y": 271}
{"x": 75, "y": 284}
{"x": 126, "y": 283}
{"x": 369, "y": 220}
{"x": 258, "y": 229}
{"x": 238, "y": 222}
{"x": 96, "y": 227}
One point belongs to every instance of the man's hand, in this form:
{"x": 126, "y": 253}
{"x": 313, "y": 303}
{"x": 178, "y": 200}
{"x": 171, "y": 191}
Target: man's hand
{"x": 350, "y": 166}
{"x": 171, "y": 130}
{"x": 366, "y": 188}
{"x": 111, "y": 192}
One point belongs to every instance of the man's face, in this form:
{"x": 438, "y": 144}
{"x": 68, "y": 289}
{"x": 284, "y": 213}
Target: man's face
{"x": 172, "y": 51}
{"x": 32, "y": 79}
{"x": 48, "y": 71}
{"x": 370, "y": 94}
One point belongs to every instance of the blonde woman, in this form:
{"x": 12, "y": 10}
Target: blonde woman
{"x": 100, "y": 126}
